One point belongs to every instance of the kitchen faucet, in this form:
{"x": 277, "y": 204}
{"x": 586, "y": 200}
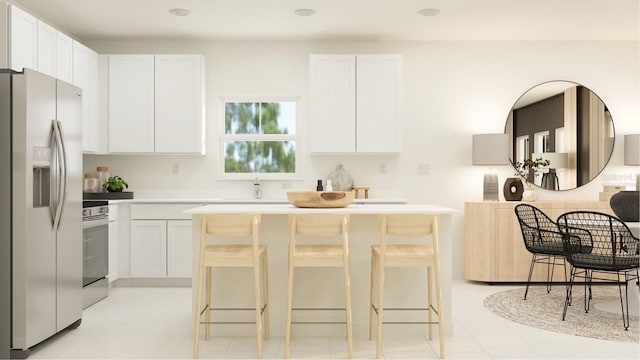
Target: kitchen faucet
{"x": 258, "y": 193}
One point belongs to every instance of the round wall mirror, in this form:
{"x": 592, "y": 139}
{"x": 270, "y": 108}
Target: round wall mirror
{"x": 568, "y": 125}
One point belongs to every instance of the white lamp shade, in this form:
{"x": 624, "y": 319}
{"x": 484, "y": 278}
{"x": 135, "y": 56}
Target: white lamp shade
{"x": 556, "y": 160}
{"x": 632, "y": 149}
{"x": 491, "y": 149}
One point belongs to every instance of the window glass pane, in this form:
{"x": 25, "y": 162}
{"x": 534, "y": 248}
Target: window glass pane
{"x": 260, "y": 117}
{"x": 259, "y": 157}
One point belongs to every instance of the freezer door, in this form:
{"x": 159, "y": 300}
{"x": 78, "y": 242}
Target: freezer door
{"x": 69, "y": 235}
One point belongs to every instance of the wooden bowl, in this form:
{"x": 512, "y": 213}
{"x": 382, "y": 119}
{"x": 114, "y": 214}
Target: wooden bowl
{"x": 320, "y": 199}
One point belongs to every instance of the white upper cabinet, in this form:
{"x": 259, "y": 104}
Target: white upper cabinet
{"x": 64, "y": 57}
{"x": 85, "y": 76}
{"x": 333, "y": 107}
{"x": 179, "y": 111}
{"x": 47, "y": 41}
{"x": 131, "y": 103}
{"x": 355, "y": 102}
{"x": 156, "y": 104}
{"x": 23, "y": 43}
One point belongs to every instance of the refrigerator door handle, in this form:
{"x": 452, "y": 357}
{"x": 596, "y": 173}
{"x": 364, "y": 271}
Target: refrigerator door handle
{"x": 61, "y": 175}
{"x": 65, "y": 172}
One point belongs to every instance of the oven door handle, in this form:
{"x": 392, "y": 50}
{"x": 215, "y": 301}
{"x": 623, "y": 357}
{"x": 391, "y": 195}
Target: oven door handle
{"x": 94, "y": 223}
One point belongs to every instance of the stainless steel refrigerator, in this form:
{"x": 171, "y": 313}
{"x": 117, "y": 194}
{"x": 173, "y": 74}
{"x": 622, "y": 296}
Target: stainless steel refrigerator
{"x": 40, "y": 209}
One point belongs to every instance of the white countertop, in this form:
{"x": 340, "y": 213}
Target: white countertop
{"x": 371, "y": 209}
{"x": 237, "y": 201}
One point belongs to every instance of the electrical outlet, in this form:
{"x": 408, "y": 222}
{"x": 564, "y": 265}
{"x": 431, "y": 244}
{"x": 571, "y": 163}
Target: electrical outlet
{"x": 423, "y": 169}
{"x": 383, "y": 169}
{"x": 175, "y": 168}
{"x": 285, "y": 185}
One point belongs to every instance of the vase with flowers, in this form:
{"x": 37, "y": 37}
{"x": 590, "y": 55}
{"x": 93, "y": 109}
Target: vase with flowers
{"x": 527, "y": 171}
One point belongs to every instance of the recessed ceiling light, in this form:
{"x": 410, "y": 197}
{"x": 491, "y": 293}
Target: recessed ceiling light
{"x": 429, "y": 12}
{"x": 304, "y": 12}
{"x": 179, "y": 12}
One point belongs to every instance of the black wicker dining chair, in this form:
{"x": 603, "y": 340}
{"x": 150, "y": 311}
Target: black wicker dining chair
{"x": 542, "y": 239}
{"x": 597, "y": 243}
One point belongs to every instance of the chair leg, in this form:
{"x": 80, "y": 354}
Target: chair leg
{"x": 564, "y": 270}
{"x": 569, "y": 290}
{"x": 624, "y": 302}
{"x": 265, "y": 294}
{"x": 429, "y": 302}
{"x": 587, "y": 290}
{"x": 256, "y": 291}
{"x": 347, "y": 300}
{"x": 552, "y": 262}
{"x": 207, "y": 328}
{"x": 533, "y": 261}
{"x": 440, "y": 309}
{"x": 196, "y": 330}
{"x": 380, "y": 310}
{"x": 287, "y": 336}
{"x": 374, "y": 262}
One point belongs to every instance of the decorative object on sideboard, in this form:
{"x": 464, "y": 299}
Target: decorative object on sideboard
{"x": 91, "y": 183}
{"x": 513, "y": 189}
{"x": 103, "y": 176}
{"x": 341, "y": 180}
{"x": 632, "y": 153}
{"x": 115, "y": 186}
{"x": 319, "y": 186}
{"x": 357, "y": 190}
{"x": 491, "y": 150}
{"x": 556, "y": 160}
{"x": 525, "y": 170}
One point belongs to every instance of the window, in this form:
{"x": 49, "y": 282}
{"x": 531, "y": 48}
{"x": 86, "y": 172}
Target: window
{"x": 259, "y": 138}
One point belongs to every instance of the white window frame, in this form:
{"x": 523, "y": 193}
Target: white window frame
{"x": 253, "y": 137}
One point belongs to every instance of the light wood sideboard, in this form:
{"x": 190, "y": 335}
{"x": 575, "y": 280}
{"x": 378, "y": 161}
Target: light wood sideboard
{"x": 494, "y": 249}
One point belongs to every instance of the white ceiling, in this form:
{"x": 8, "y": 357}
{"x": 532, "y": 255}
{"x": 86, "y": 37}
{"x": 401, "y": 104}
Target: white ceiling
{"x": 519, "y": 20}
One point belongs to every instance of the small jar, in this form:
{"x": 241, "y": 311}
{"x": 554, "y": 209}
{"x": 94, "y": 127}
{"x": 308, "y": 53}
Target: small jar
{"x": 103, "y": 176}
{"x": 91, "y": 184}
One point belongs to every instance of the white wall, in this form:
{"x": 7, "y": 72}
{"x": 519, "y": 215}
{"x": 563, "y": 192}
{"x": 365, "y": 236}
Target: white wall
{"x": 451, "y": 91}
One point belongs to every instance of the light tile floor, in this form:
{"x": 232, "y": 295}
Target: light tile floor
{"x": 154, "y": 323}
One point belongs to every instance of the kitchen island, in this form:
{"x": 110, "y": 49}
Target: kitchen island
{"x": 322, "y": 287}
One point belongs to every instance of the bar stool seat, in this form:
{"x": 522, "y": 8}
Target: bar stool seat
{"x": 393, "y": 227}
{"x": 318, "y": 255}
{"x": 253, "y": 255}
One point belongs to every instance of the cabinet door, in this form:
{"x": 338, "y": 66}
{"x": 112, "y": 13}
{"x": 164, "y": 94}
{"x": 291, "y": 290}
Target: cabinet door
{"x": 179, "y": 110}
{"x": 378, "y": 103}
{"x": 64, "y": 57}
{"x": 91, "y": 94}
{"x": 179, "y": 249}
{"x": 47, "y": 39}
{"x": 113, "y": 250}
{"x": 131, "y": 103}
{"x": 81, "y": 80}
{"x": 332, "y": 114}
{"x": 148, "y": 248}
{"x": 24, "y": 40}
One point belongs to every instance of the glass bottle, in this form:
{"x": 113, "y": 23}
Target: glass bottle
{"x": 103, "y": 176}
{"x": 91, "y": 184}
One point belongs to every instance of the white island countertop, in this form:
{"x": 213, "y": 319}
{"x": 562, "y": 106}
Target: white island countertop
{"x": 356, "y": 208}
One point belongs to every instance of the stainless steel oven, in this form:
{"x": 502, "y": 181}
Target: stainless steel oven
{"x": 95, "y": 251}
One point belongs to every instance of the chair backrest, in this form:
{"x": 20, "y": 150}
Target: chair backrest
{"x": 408, "y": 225}
{"x": 229, "y": 225}
{"x": 537, "y": 228}
{"x": 598, "y": 239}
{"x": 318, "y": 225}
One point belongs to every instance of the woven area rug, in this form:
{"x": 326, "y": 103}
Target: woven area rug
{"x": 544, "y": 311}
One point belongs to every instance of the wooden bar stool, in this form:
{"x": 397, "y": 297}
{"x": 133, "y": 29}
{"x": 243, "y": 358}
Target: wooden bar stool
{"x": 232, "y": 255}
{"x": 318, "y": 225}
{"x": 406, "y": 255}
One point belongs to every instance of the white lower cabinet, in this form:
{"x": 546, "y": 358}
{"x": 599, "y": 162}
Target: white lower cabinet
{"x": 160, "y": 241}
{"x": 113, "y": 243}
{"x": 148, "y": 248}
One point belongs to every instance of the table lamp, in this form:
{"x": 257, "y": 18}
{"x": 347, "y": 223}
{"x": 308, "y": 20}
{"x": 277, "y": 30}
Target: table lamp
{"x": 632, "y": 153}
{"x": 490, "y": 149}
{"x": 556, "y": 161}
